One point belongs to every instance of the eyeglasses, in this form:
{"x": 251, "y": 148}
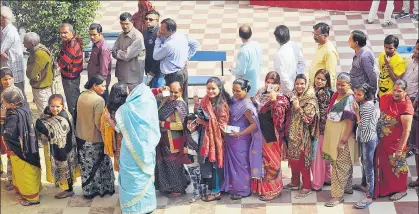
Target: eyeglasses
{"x": 150, "y": 19}
{"x": 318, "y": 35}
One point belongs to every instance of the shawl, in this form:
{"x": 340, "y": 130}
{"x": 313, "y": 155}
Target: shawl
{"x": 26, "y": 146}
{"x": 108, "y": 134}
{"x": 139, "y": 17}
{"x": 31, "y": 58}
{"x": 169, "y": 107}
{"x": 304, "y": 130}
{"x": 343, "y": 109}
{"x": 213, "y": 143}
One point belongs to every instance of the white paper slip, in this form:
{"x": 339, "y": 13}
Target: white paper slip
{"x": 165, "y": 93}
{"x": 230, "y": 129}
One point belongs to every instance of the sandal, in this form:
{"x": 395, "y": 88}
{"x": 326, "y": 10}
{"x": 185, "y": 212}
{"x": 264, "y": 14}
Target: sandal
{"x": 398, "y": 196}
{"x": 211, "y": 197}
{"x": 362, "y": 204}
{"x": 334, "y": 203}
{"x": 174, "y": 194}
{"x": 303, "y": 194}
{"x": 291, "y": 186}
{"x": 26, "y": 203}
{"x": 64, "y": 194}
{"x": 9, "y": 187}
{"x": 327, "y": 183}
{"x": 265, "y": 198}
{"x": 349, "y": 191}
{"x": 238, "y": 197}
{"x": 413, "y": 184}
{"x": 358, "y": 187}
{"x": 387, "y": 24}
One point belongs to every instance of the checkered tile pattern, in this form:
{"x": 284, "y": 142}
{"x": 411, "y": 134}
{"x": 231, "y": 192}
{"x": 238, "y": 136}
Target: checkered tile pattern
{"x": 215, "y": 24}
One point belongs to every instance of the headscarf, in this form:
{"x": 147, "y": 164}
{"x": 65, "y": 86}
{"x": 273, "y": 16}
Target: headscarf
{"x": 139, "y": 17}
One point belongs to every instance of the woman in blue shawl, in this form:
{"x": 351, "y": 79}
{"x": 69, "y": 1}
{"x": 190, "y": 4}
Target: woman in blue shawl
{"x": 138, "y": 122}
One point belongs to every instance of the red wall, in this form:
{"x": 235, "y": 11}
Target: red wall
{"x": 344, "y": 5}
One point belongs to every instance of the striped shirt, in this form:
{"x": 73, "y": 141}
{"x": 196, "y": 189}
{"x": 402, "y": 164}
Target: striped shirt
{"x": 70, "y": 58}
{"x": 366, "y": 130}
{"x": 11, "y": 45}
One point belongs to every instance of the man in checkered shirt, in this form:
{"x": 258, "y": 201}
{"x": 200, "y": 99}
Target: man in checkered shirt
{"x": 11, "y": 48}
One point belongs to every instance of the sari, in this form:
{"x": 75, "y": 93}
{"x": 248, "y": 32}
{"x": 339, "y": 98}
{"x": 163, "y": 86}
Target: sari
{"x": 275, "y": 117}
{"x": 171, "y": 176}
{"x": 320, "y": 168}
{"x": 111, "y": 139}
{"x": 57, "y": 134}
{"x": 342, "y": 163}
{"x": 391, "y": 174}
{"x": 19, "y": 134}
{"x": 211, "y": 143}
{"x": 137, "y": 121}
{"x": 243, "y": 155}
{"x": 303, "y": 137}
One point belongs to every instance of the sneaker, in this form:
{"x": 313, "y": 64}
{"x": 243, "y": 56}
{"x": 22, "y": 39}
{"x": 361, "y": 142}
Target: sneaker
{"x": 401, "y": 15}
{"x": 415, "y": 17}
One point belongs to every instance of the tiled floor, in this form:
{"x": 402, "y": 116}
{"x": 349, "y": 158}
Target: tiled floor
{"x": 214, "y": 24}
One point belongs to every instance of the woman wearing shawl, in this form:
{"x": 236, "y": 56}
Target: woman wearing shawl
{"x": 55, "y": 129}
{"x": 111, "y": 138}
{"x": 96, "y": 167}
{"x": 303, "y": 135}
{"x": 6, "y": 77}
{"x": 213, "y": 115}
{"x": 171, "y": 176}
{"x": 320, "y": 168}
{"x": 394, "y": 126}
{"x": 274, "y": 110}
{"x": 139, "y": 17}
{"x": 243, "y": 149}
{"x": 19, "y": 134}
{"x": 339, "y": 146}
{"x": 137, "y": 121}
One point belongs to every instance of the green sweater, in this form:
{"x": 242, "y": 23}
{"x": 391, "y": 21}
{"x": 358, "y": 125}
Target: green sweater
{"x": 39, "y": 70}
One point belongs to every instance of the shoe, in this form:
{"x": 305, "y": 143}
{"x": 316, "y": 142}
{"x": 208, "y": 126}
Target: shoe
{"x": 401, "y": 15}
{"x": 387, "y": 24}
{"x": 415, "y": 17}
{"x": 368, "y": 21}
{"x": 362, "y": 204}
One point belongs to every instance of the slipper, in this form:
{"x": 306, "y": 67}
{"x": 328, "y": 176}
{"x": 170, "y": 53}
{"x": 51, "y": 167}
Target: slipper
{"x": 302, "y": 194}
{"x": 211, "y": 197}
{"x": 9, "y": 187}
{"x": 26, "y": 203}
{"x": 291, "y": 186}
{"x": 316, "y": 190}
{"x": 386, "y": 24}
{"x": 263, "y": 198}
{"x": 358, "y": 187}
{"x": 413, "y": 184}
{"x": 362, "y": 204}
{"x": 64, "y": 194}
{"x": 334, "y": 203}
{"x": 400, "y": 196}
{"x": 327, "y": 183}
{"x": 174, "y": 195}
{"x": 349, "y": 191}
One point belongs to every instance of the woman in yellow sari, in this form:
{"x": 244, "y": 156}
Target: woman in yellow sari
{"x": 55, "y": 130}
{"x": 19, "y": 134}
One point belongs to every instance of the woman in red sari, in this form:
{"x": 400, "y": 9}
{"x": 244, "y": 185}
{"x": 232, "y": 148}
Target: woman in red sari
{"x": 394, "y": 124}
{"x": 274, "y": 110}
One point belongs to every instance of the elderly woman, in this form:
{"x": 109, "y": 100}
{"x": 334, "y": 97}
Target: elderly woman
{"x": 19, "y": 134}
{"x": 39, "y": 70}
{"x": 55, "y": 129}
{"x": 96, "y": 167}
{"x": 111, "y": 138}
{"x": 171, "y": 177}
{"x": 274, "y": 110}
{"x": 339, "y": 146}
{"x": 243, "y": 147}
{"x": 303, "y": 135}
{"x": 394, "y": 126}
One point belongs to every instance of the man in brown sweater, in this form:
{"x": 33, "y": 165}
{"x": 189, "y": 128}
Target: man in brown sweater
{"x": 39, "y": 70}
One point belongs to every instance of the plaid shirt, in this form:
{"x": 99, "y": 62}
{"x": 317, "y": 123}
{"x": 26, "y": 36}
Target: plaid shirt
{"x": 70, "y": 58}
{"x": 11, "y": 45}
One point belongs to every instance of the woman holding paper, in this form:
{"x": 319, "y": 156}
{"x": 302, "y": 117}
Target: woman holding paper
{"x": 274, "y": 110}
{"x": 304, "y": 133}
{"x": 243, "y": 144}
{"x": 171, "y": 176}
{"x": 213, "y": 114}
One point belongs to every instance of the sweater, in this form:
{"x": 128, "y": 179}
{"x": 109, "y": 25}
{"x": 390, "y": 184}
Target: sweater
{"x": 90, "y": 107}
{"x": 39, "y": 69}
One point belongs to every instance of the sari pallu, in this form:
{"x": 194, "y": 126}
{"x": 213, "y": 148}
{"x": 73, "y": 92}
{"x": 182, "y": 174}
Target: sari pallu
{"x": 19, "y": 134}
{"x": 56, "y": 133}
{"x": 137, "y": 121}
{"x": 275, "y": 117}
{"x": 171, "y": 176}
{"x": 391, "y": 174}
{"x": 243, "y": 155}
{"x": 111, "y": 139}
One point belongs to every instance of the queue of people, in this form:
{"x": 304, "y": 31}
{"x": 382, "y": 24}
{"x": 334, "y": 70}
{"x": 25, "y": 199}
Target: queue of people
{"x": 321, "y": 122}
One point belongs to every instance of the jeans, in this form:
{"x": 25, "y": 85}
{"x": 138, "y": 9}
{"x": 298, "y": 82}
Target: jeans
{"x": 367, "y": 159}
